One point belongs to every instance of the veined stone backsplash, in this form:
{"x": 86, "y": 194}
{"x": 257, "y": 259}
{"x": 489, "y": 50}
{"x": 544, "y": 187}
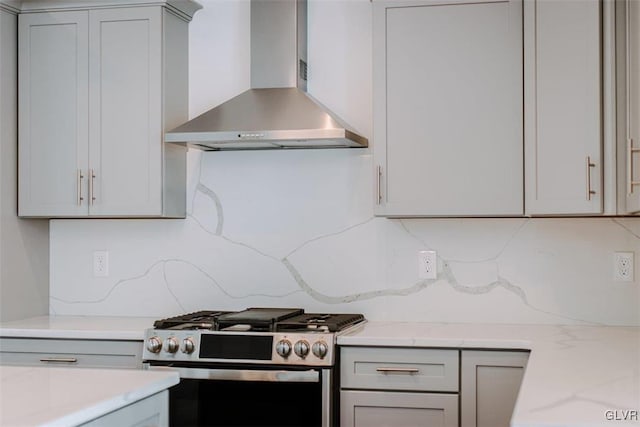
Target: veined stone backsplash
{"x": 295, "y": 228}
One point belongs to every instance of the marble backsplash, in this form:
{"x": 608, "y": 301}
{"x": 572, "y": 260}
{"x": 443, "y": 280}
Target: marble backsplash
{"x": 295, "y": 228}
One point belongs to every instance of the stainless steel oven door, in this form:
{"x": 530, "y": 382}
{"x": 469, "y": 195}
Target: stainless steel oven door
{"x": 251, "y": 397}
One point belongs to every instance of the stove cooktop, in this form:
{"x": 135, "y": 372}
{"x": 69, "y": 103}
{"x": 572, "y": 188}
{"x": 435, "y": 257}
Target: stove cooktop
{"x": 277, "y": 336}
{"x": 260, "y": 319}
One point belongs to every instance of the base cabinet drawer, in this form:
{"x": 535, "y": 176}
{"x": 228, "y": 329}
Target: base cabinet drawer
{"x": 385, "y": 368}
{"x": 397, "y": 409}
{"x": 71, "y": 352}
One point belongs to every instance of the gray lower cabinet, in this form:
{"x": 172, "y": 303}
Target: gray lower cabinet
{"x": 490, "y": 381}
{"x": 71, "y": 352}
{"x": 397, "y": 387}
{"x": 395, "y": 409}
{"x": 382, "y": 386}
{"x": 150, "y": 412}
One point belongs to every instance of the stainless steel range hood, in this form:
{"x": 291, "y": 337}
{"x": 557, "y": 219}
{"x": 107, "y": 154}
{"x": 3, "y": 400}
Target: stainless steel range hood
{"x": 277, "y": 112}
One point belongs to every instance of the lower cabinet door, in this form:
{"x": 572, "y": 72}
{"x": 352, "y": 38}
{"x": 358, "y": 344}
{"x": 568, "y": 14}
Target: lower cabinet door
{"x": 395, "y": 409}
{"x": 490, "y": 385}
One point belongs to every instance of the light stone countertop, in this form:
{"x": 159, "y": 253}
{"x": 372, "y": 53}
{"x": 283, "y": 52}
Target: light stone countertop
{"x": 78, "y": 327}
{"x": 575, "y": 374}
{"x": 55, "y": 396}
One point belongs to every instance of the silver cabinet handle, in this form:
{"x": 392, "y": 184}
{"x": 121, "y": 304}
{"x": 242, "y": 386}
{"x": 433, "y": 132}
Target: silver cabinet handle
{"x": 80, "y": 177}
{"x": 92, "y": 178}
{"x": 630, "y": 152}
{"x": 590, "y": 165}
{"x": 398, "y": 370}
{"x": 379, "y": 184}
{"x": 59, "y": 360}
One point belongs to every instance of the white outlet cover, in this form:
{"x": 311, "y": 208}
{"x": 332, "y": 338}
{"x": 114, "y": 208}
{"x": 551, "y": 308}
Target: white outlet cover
{"x": 101, "y": 264}
{"x": 427, "y": 265}
{"x": 623, "y": 264}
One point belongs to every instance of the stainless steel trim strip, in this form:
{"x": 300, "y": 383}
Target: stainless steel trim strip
{"x": 310, "y": 376}
{"x": 327, "y": 393}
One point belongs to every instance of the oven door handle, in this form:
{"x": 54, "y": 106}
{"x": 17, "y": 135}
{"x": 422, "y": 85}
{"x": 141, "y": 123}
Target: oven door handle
{"x": 281, "y": 376}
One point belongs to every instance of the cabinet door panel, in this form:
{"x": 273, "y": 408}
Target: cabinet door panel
{"x": 632, "y": 191}
{"x": 490, "y": 385}
{"x": 126, "y": 110}
{"x": 379, "y": 409}
{"x": 448, "y": 108}
{"x": 563, "y": 107}
{"x": 53, "y": 92}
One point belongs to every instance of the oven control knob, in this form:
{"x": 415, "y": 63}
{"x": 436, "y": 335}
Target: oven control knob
{"x": 188, "y": 346}
{"x": 171, "y": 345}
{"x": 319, "y": 349}
{"x": 301, "y": 348}
{"x": 283, "y": 348}
{"x": 154, "y": 345}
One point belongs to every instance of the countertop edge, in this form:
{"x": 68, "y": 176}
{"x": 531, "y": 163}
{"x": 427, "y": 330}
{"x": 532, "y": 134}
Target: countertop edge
{"x": 108, "y": 406}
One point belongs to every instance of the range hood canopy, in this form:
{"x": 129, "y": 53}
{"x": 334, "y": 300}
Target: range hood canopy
{"x": 277, "y": 112}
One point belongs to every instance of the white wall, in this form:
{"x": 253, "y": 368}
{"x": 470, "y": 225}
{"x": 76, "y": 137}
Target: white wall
{"x": 295, "y": 228}
{"x": 24, "y": 244}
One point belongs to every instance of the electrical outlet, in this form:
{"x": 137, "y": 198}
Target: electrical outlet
{"x": 427, "y": 265}
{"x": 623, "y": 267}
{"x": 101, "y": 264}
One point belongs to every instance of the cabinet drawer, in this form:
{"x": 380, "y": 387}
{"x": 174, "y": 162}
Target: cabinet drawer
{"x": 69, "y": 352}
{"x": 393, "y": 409}
{"x": 381, "y": 368}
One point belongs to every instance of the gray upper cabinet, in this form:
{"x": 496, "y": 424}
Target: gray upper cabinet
{"x": 97, "y": 90}
{"x": 628, "y": 42}
{"x": 563, "y": 107}
{"x": 448, "y": 108}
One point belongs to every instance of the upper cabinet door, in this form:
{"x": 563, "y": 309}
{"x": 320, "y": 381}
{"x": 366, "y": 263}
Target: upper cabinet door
{"x": 632, "y": 154}
{"x": 563, "y": 107}
{"x": 125, "y": 119}
{"x": 53, "y": 93}
{"x": 448, "y": 108}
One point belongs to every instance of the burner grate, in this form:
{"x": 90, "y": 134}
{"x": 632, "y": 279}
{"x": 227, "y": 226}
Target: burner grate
{"x": 197, "y": 320}
{"x": 320, "y": 322}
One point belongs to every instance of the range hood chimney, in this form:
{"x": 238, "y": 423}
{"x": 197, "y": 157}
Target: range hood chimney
{"x": 276, "y": 112}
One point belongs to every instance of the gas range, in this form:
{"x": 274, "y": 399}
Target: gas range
{"x": 264, "y": 336}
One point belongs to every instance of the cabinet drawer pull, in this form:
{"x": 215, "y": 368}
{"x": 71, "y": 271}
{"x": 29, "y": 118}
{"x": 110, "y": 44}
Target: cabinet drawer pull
{"x": 398, "y": 370}
{"x": 79, "y": 187}
{"x": 590, "y": 165}
{"x": 59, "y": 360}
